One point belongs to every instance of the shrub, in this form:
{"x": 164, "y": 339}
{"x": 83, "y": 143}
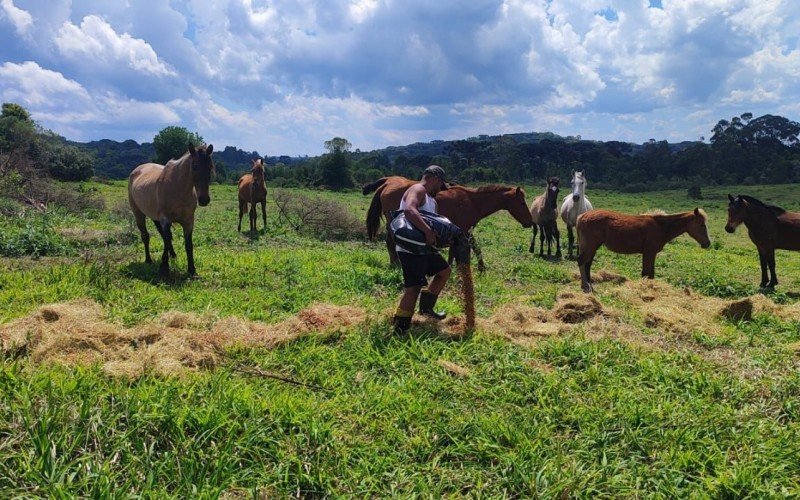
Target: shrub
{"x": 319, "y": 217}
{"x": 34, "y": 237}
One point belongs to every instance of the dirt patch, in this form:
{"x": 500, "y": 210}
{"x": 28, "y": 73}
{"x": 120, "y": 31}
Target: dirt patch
{"x": 77, "y": 332}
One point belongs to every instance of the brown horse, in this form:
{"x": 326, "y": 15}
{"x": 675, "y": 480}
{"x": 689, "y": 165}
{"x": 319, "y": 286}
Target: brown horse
{"x": 170, "y": 193}
{"x": 252, "y": 190}
{"x": 465, "y": 207}
{"x": 544, "y": 212}
{"x": 629, "y": 234}
{"x": 768, "y": 226}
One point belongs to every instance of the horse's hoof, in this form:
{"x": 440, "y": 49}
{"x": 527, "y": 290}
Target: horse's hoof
{"x": 587, "y": 288}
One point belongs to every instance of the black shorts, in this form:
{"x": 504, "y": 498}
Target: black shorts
{"x": 417, "y": 267}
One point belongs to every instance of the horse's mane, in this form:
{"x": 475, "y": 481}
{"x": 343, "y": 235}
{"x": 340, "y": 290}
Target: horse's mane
{"x": 755, "y": 201}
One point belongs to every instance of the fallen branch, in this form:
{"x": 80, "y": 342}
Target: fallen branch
{"x": 258, "y": 372}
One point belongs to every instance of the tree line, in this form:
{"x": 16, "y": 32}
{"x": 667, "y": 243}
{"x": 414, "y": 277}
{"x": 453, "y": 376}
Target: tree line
{"x": 740, "y": 150}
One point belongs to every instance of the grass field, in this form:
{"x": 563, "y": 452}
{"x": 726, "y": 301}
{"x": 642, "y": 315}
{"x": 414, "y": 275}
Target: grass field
{"x": 621, "y": 406}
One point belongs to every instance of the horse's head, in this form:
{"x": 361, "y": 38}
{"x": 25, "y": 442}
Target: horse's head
{"x": 578, "y": 185}
{"x": 551, "y": 198}
{"x": 516, "y": 206}
{"x": 202, "y": 168}
{"x": 697, "y": 228}
{"x": 737, "y": 209}
{"x": 258, "y": 171}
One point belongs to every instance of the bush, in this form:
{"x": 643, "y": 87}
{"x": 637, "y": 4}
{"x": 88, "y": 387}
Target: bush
{"x": 35, "y": 237}
{"x": 322, "y": 218}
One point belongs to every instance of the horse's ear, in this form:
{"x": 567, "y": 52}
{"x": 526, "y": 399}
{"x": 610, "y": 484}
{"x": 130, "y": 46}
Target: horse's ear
{"x": 730, "y": 197}
{"x": 210, "y": 149}
{"x": 519, "y": 190}
{"x": 191, "y": 149}
{"x": 697, "y": 211}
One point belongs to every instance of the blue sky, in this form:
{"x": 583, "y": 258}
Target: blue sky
{"x": 282, "y": 77}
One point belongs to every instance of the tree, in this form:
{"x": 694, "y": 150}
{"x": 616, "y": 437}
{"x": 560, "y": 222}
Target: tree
{"x": 172, "y": 142}
{"x": 17, "y": 135}
{"x": 335, "y": 166}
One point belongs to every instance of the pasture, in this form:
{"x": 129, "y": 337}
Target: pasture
{"x": 651, "y": 392}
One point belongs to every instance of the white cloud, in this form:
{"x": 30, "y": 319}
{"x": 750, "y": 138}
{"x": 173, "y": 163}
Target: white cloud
{"x": 30, "y": 84}
{"x": 96, "y": 40}
{"x": 21, "y": 19}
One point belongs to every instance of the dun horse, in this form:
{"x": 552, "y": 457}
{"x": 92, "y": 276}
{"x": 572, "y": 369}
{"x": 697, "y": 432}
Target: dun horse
{"x": 252, "y": 190}
{"x": 629, "y": 234}
{"x": 769, "y": 227}
{"x": 465, "y": 207}
{"x": 574, "y": 205}
{"x": 544, "y": 214}
{"x": 170, "y": 193}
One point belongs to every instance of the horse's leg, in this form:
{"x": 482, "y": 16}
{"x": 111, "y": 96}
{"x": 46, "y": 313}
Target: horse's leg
{"x": 770, "y": 255}
{"x": 187, "y": 241}
{"x": 557, "y": 237}
{"x": 473, "y": 243}
{"x": 141, "y": 223}
{"x": 393, "y": 258}
{"x": 762, "y": 259}
{"x": 571, "y": 241}
{"x": 166, "y": 234}
{"x": 585, "y": 258}
{"x": 242, "y": 207}
{"x": 542, "y": 237}
{"x": 649, "y": 265}
{"x": 171, "y": 249}
{"x": 532, "y": 248}
{"x": 264, "y": 212}
{"x": 549, "y": 236}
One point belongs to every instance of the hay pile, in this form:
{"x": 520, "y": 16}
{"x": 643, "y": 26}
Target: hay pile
{"x": 77, "y": 333}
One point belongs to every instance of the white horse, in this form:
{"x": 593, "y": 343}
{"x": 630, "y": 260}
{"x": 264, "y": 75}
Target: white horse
{"x": 574, "y": 205}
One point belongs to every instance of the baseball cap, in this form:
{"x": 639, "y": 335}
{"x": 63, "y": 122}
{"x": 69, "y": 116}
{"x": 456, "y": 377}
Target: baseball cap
{"x": 436, "y": 171}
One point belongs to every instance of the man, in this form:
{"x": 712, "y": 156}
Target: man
{"x": 416, "y": 268}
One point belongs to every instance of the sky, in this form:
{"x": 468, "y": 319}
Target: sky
{"x": 283, "y": 76}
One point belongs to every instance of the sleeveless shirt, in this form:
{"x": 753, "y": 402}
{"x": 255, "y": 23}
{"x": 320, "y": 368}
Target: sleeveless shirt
{"x": 429, "y": 206}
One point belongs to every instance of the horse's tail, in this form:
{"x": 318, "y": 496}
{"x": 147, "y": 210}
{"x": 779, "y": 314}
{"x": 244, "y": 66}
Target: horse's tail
{"x": 372, "y": 186}
{"x": 374, "y": 213}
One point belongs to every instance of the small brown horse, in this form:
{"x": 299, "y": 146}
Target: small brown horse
{"x": 768, "y": 226}
{"x": 629, "y": 234}
{"x": 465, "y": 207}
{"x": 544, "y": 212}
{"x": 170, "y": 193}
{"x": 252, "y": 190}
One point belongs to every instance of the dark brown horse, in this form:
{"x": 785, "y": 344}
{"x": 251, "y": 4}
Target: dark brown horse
{"x": 170, "y": 193}
{"x": 253, "y": 190}
{"x": 544, "y": 212}
{"x": 768, "y": 226}
{"x": 629, "y": 234}
{"x": 465, "y": 207}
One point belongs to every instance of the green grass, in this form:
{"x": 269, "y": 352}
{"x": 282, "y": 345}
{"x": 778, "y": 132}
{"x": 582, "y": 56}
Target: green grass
{"x": 571, "y": 416}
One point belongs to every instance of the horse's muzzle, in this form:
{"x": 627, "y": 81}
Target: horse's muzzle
{"x": 729, "y": 229}
{"x": 706, "y": 244}
{"x": 576, "y": 198}
{"x": 204, "y": 200}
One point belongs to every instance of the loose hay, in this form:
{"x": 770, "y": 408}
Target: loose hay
{"x": 77, "y": 333}
{"x": 571, "y": 308}
{"x": 467, "y": 296}
{"x": 454, "y": 369}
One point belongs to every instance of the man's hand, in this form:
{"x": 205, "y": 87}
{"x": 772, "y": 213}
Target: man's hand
{"x": 430, "y": 237}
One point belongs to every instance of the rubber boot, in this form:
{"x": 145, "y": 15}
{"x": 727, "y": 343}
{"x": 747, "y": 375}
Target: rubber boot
{"x": 401, "y": 324}
{"x": 427, "y": 301}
